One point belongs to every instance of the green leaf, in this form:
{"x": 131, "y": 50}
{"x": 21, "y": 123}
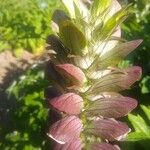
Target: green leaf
{"x": 99, "y": 6}
{"x": 30, "y": 23}
{"x": 125, "y": 64}
{"x": 29, "y": 117}
{"x": 139, "y": 124}
{"x": 72, "y": 37}
{"x": 112, "y": 23}
{"x": 32, "y": 99}
{"x": 137, "y": 136}
{"x": 80, "y": 9}
{"x": 142, "y": 129}
{"x": 146, "y": 111}
{"x": 145, "y": 85}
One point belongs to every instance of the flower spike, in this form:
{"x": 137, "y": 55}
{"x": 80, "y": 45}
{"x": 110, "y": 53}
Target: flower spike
{"x": 84, "y": 96}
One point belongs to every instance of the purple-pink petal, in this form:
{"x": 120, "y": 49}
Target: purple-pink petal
{"x": 111, "y": 107}
{"x": 133, "y": 74}
{"x": 109, "y": 129}
{"x": 70, "y": 103}
{"x": 75, "y": 144}
{"x": 104, "y": 146}
{"x": 75, "y": 74}
{"x": 66, "y": 129}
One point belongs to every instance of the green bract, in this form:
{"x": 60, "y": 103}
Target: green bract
{"x": 72, "y": 37}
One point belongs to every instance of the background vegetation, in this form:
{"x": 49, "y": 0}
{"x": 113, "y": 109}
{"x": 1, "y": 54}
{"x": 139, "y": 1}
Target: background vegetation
{"x": 24, "y": 25}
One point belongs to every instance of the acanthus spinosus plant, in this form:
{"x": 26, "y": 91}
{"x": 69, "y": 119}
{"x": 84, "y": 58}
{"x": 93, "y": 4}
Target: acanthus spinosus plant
{"x": 84, "y": 98}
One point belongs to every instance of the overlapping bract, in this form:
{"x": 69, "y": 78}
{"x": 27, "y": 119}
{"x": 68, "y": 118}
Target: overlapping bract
{"x": 69, "y": 103}
{"x": 72, "y": 72}
{"x": 75, "y": 144}
{"x": 108, "y": 129}
{"x": 66, "y": 129}
{"x": 111, "y": 107}
{"x": 104, "y": 146}
{"x": 114, "y": 106}
{"x": 88, "y": 98}
{"x": 116, "y": 80}
{"x": 116, "y": 54}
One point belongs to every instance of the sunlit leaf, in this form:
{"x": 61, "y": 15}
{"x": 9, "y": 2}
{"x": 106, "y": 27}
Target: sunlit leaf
{"x": 139, "y": 124}
{"x": 99, "y": 6}
{"x": 113, "y": 23}
{"x": 137, "y": 136}
{"x": 81, "y": 8}
{"x": 146, "y": 111}
{"x": 142, "y": 129}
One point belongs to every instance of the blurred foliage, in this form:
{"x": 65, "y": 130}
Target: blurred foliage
{"x": 26, "y": 119}
{"x": 137, "y": 26}
{"x": 145, "y": 85}
{"x": 139, "y": 138}
{"x": 25, "y": 24}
